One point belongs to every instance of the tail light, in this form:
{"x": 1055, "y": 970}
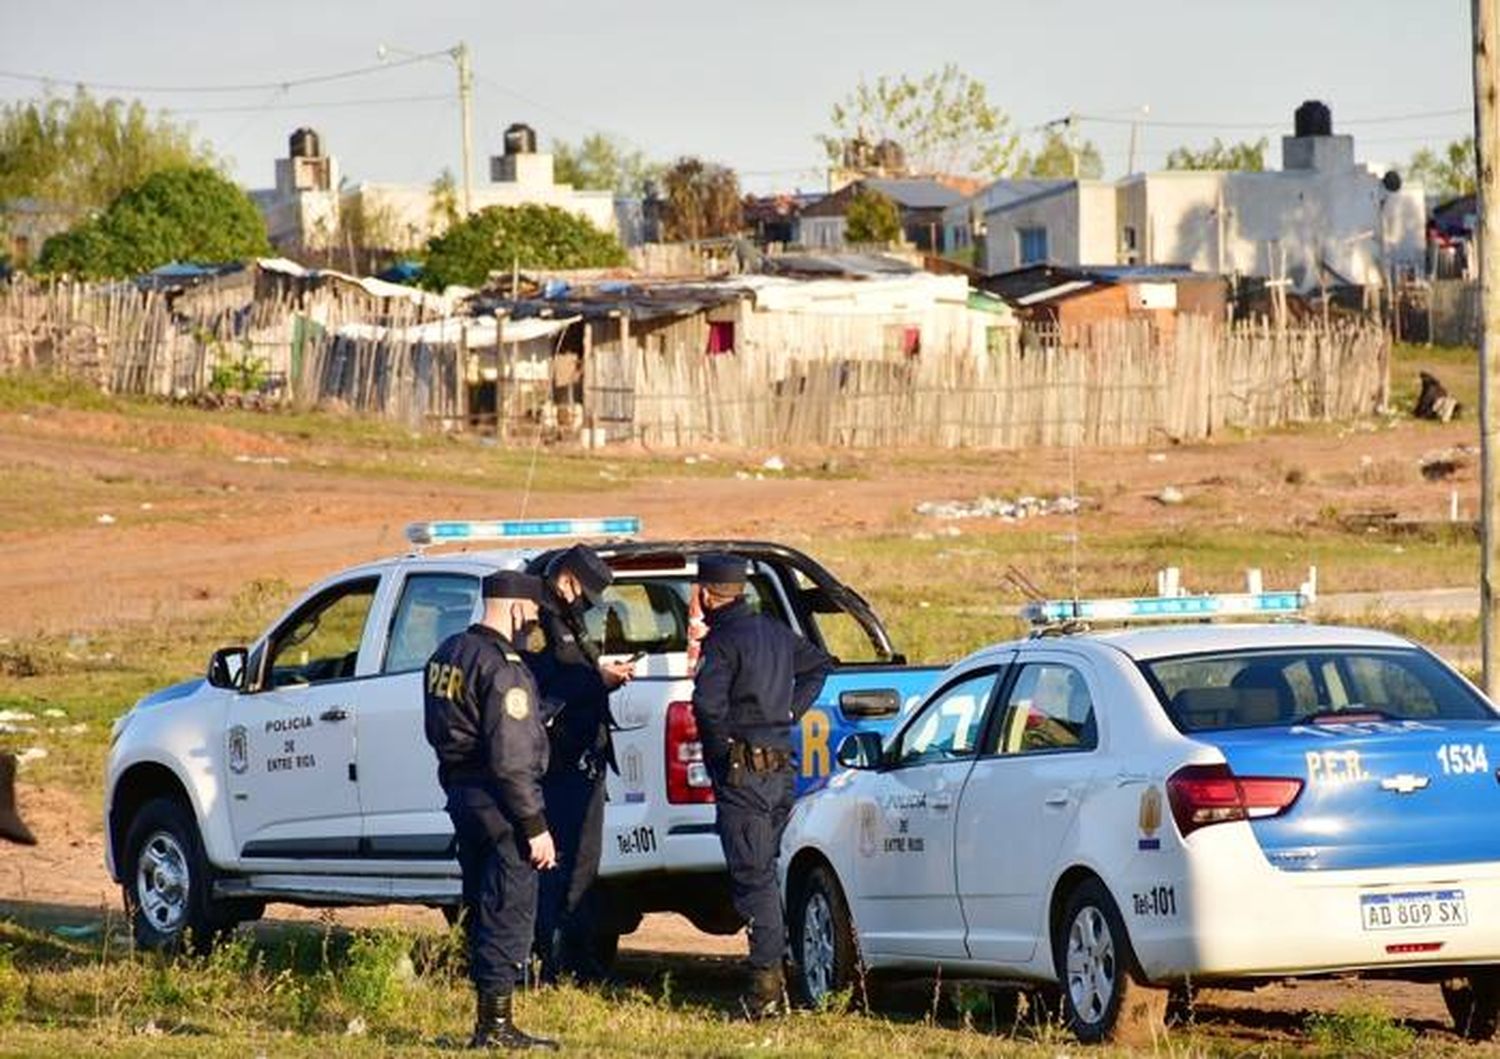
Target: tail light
{"x": 687, "y": 775}
{"x": 1211, "y": 794}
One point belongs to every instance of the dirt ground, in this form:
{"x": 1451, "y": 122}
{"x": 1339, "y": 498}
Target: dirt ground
{"x": 227, "y": 520}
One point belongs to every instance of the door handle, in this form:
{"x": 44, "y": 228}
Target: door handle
{"x": 334, "y": 713}
{"x": 1059, "y": 797}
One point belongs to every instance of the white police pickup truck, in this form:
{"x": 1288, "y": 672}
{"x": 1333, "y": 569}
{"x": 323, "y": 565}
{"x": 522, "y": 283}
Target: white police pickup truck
{"x": 297, "y": 770}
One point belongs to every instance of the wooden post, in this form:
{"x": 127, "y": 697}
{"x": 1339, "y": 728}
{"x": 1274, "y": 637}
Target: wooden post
{"x": 1487, "y": 146}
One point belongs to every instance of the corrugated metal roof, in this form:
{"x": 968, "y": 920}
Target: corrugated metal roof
{"x": 915, "y": 194}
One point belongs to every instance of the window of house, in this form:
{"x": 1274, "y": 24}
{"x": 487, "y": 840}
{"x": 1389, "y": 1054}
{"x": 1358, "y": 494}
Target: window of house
{"x": 721, "y": 336}
{"x": 1032, "y": 246}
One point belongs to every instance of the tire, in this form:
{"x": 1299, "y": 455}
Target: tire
{"x": 823, "y": 943}
{"x": 1474, "y": 1003}
{"x": 167, "y": 883}
{"x": 1104, "y": 997}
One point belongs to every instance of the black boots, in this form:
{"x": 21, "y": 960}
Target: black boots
{"x": 496, "y": 1029}
{"x": 11, "y": 826}
{"x": 767, "y": 996}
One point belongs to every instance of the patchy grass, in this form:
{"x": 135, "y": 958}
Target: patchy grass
{"x": 1456, "y": 367}
{"x": 1367, "y": 1032}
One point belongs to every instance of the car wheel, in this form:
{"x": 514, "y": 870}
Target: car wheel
{"x": 1474, "y": 1003}
{"x": 1104, "y": 997}
{"x": 822, "y": 938}
{"x": 166, "y": 882}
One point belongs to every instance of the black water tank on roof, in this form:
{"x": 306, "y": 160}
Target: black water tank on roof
{"x": 1313, "y": 119}
{"x": 306, "y": 144}
{"x": 520, "y": 139}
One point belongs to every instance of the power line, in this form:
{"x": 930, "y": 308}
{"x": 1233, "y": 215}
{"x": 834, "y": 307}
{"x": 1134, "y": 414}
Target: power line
{"x": 446, "y": 97}
{"x": 1105, "y": 119}
{"x": 296, "y": 82}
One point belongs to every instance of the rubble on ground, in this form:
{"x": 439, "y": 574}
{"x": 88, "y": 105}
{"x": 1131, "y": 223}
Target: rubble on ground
{"x": 1022, "y": 507}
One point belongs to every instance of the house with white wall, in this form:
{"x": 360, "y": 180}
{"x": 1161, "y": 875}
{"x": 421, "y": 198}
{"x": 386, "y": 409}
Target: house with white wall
{"x": 1320, "y": 219}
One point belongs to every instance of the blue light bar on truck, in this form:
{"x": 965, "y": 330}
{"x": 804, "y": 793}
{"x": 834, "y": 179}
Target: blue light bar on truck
{"x": 471, "y": 530}
{"x": 1166, "y": 608}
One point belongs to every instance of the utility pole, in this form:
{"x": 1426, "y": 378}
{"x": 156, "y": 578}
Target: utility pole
{"x": 1487, "y": 144}
{"x": 1135, "y": 125}
{"x": 460, "y": 55}
{"x": 1072, "y": 133}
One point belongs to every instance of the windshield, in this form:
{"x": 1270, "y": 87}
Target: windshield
{"x": 1253, "y": 689}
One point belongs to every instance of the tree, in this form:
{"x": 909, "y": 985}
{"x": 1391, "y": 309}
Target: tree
{"x": 192, "y": 215}
{"x": 444, "y": 207}
{"x": 603, "y": 163}
{"x": 701, "y": 200}
{"x": 1055, "y": 158}
{"x": 499, "y": 237}
{"x": 83, "y": 153}
{"x": 1449, "y": 175}
{"x": 872, "y": 218}
{"x": 943, "y": 121}
{"x": 1245, "y": 157}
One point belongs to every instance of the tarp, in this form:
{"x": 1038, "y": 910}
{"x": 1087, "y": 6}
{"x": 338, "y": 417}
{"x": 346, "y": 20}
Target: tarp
{"x": 376, "y": 288}
{"x": 473, "y": 331}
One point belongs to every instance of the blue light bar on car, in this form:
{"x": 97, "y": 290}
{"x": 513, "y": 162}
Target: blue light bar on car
{"x": 470, "y": 530}
{"x": 1166, "y": 608}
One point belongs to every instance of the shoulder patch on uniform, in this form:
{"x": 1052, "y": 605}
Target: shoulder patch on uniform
{"x": 517, "y": 703}
{"x": 511, "y": 656}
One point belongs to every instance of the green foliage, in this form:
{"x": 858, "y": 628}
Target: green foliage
{"x": 82, "y": 153}
{"x": 444, "y": 208}
{"x": 174, "y": 215}
{"x": 1448, "y": 175}
{"x": 1054, "y": 159}
{"x": 701, "y": 201}
{"x": 1245, "y": 157}
{"x": 872, "y": 218}
{"x": 379, "y": 963}
{"x": 12, "y": 987}
{"x": 243, "y": 373}
{"x": 601, "y": 162}
{"x": 943, "y": 121}
{"x": 530, "y": 236}
{"x": 1366, "y": 1031}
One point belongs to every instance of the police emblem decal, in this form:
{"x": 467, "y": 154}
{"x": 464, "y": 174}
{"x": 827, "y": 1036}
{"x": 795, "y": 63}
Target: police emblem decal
{"x": 239, "y": 750}
{"x": 1150, "y": 819}
{"x": 517, "y": 703}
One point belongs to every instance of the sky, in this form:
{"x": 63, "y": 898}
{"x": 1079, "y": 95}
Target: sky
{"x": 750, "y": 83}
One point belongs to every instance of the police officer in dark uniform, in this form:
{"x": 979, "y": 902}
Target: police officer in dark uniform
{"x": 755, "y": 679}
{"x": 575, "y": 688}
{"x": 482, "y": 718}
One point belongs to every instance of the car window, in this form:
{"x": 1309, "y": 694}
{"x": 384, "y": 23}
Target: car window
{"x": 651, "y": 614}
{"x": 320, "y": 642}
{"x": 1269, "y": 688}
{"x": 948, "y": 726}
{"x": 433, "y": 607}
{"x": 1049, "y": 708}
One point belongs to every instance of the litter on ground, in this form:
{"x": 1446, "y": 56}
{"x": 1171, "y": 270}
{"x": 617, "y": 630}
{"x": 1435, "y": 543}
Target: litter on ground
{"x": 1021, "y": 507}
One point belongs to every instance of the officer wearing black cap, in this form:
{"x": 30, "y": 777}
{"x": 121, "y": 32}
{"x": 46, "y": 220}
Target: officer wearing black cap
{"x": 755, "y": 679}
{"x": 575, "y": 689}
{"x": 481, "y": 716}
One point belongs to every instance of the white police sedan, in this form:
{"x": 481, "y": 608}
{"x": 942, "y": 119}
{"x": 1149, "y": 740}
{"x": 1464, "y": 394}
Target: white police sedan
{"x": 1123, "y": 812}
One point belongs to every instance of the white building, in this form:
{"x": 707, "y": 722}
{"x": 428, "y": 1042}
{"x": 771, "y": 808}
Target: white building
{"x": 307, "y": 207}
{"x": 1319, "y": 219}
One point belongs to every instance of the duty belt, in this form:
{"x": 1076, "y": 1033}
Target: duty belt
{"x": 759, "y": 758}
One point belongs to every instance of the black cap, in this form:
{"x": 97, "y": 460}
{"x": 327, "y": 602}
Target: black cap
{"x": 512, "y": 584}
{"x": 583, "y": 563}
{"x": 720, "y": 568}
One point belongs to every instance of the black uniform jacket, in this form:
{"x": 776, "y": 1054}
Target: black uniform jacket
{"x": 755, "y": 679}
{"x": 481, "y": 716}
{"x": 568, "y": 677}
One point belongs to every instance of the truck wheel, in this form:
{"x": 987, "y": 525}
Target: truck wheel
{"x": 1474, "y": 1003}
{"x": 823, "y": 939}
{"x": 166, "y": 882}
{"x": 1103, "y": 994}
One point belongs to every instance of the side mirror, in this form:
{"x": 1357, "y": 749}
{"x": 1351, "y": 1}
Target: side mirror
{"x": 860, "y": 750}
{"x": 226, "y": 669}
{"x": 870, "y": 702}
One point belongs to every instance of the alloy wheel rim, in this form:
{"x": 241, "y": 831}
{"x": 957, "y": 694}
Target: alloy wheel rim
{"x": 1091, "y": 964}
{"x": 163, "y": 882}
{"x": 817, "y": 947}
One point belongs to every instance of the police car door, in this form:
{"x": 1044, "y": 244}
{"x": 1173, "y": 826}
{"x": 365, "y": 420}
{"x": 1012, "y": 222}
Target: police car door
{"x": 399, "y": 795}
{"x": 907, "y": 902}
{"x": 1021, "y": 801}
{"x": 290, "y": 737}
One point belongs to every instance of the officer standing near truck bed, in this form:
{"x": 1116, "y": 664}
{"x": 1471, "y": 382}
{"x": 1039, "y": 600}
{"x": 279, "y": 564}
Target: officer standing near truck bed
{"x": 755, "y": 679}
{"x": 481, "y": 716}
{"x": 575, "y": 688}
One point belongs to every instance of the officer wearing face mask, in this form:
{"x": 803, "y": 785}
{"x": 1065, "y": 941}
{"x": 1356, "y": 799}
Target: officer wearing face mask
{"x": 575, "y": 688}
